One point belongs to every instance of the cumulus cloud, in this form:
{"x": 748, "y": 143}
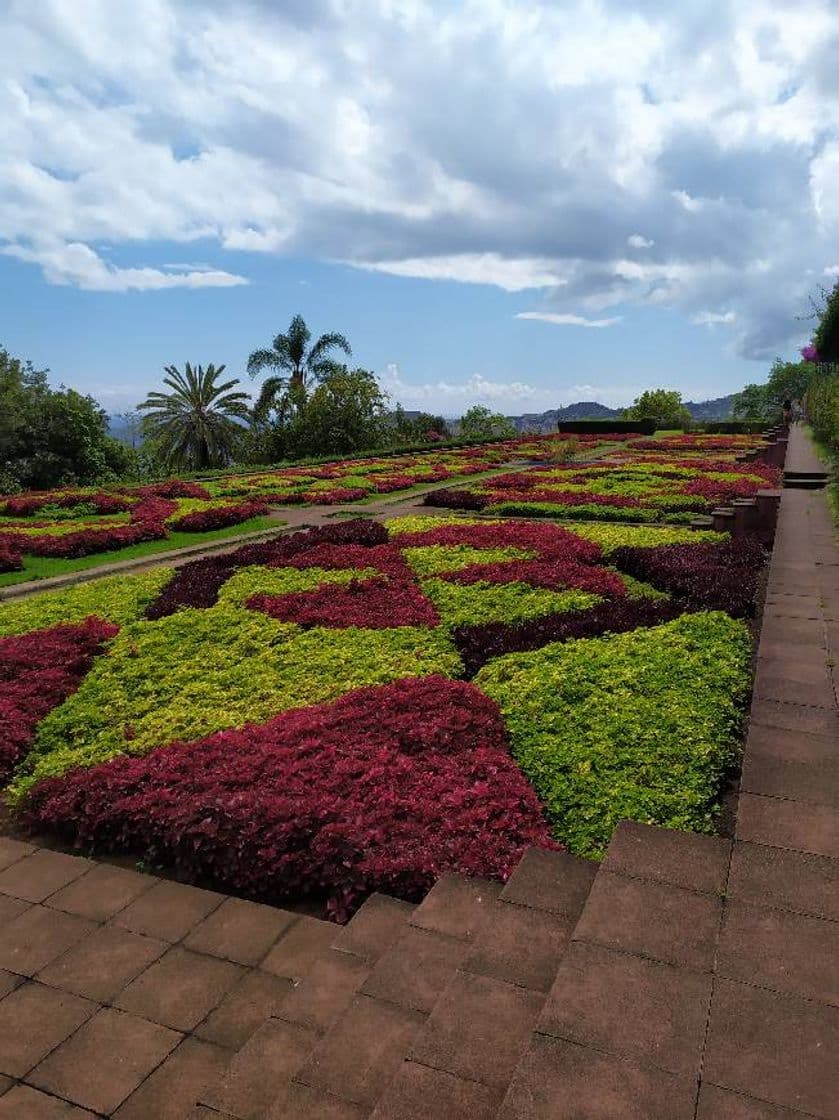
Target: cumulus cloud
{"x": 567, "y": 320}
{"x": 78, "y": 265}
{"x": 713, "y": 318}
{"x": 613, "y": 156}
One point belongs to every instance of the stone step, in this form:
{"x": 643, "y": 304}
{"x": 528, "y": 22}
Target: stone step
{"x": 805, "y": 480}
{"x": 621, "y": 1031}
{"x": 323, "y": 969}
{"x": 410, "y": 1005}
{"x": 462, "y": 1059}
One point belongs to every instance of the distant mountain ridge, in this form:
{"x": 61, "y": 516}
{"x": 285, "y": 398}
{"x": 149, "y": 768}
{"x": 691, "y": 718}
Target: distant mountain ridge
{"x": 717, "y": 409}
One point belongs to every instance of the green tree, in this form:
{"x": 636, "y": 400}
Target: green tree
{"x": 294, "y": 364}
{"x": 750, "y": 403}
{"x": 787, "y": 381}
{"x": 199, "y": 423}
{"x": 346, "y": 412}
{"x": 662, "y": 405}
{"x": 826, "y": 338}
{"x": 51, "y": 437}
{"x": 479, "y": 422}
{"x": 421, "y": 428}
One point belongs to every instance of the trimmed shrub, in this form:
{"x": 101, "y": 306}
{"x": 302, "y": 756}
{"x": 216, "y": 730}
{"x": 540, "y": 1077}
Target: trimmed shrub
{"x": 385, "y": 789}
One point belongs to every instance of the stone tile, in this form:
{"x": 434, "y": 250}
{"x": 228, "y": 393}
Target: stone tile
{"x": 168, "y": 910}
{"x": 240, "y": 931}
{"x": 177, "y": 1084}
{"x": 105, "y": 1060}
{"x": 101, "y": 964}
{"x": 262, "y": 1070}
{"x": 25, "y": 1103}
{"x": 652, "y": 919}
{"x": 201, "y": 1112}
{"x": 13, "y": 850}
{"x": 456, "y": 906}
{"x": 374, "y": 927}
{"x": 244, "y": 1009}
{"x": 301, "y": 1102}
{"x": 560, "y": 1079}
{"x": 8, "y": 982}
{"x": 780, "y": 686}
{"x": 698, "y": 863}
{"x": 414, "y": 971}
{"x": 360, "y": 1055}
{"x": 420, "y": 1093}
{"x": 180, "y": 990}
{"x": 102, "y": 892}
{"x": 792, "y": 632}
{"x": 33, "y": 1020}
{"x": 38, "y": 936}
{"x": 478, "y": 1029}
{"x": 789, "y": 880}
{"x": 781, "y": 950}
{"x": 720, "y": 1104}
{"x": 294, "y": 953}
{"x": 795, "y": 717}
{"x": 497, "y": 950}
{"x": 802, "y": 826}
{"x": 750, "y": 1027}
{"x": 808, "y": 772}
{"x": 37, "y": 876}
{"x": 11, "y": 908}
{"x": 553, "y": 881}
{"x": 651, "y": 1012}
{"x": 327, "y": 989}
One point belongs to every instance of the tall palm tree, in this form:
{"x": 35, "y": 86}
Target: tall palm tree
{"x": 295, "y": 362}
{"x": 196, "y": 424}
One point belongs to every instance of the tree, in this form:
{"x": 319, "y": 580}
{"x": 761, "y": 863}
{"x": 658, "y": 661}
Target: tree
{"x": 422, "y": 428}
{"x": 787, "y": 381}
{"x": 750, "y": 403}
{"x": 662, "y": 405}
{"x": 198, "y": 424}
{"x": 346, "y": 412}
{"x": 51, "y": 437}
{"x": 295, "y": 364}
{"x": 826, "y": 338}
{"x": 479, "y": 423}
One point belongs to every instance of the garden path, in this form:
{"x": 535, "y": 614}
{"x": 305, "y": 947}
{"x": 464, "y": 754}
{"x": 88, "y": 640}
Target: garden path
{"x": 685, "y": 978}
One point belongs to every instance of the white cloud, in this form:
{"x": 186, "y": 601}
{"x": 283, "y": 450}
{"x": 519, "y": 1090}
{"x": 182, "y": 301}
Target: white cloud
{"x": 832, "y": 270}
{"x": 568, "y": 320}
{"x": 77, "y": 264}
{"x": 358, "y": 131}
{"x": 474, "y": 268}
{"x": 711, "y": 318}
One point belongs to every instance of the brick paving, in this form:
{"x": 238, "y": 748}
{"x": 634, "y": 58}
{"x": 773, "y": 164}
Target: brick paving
{"x": 685, "y": 978}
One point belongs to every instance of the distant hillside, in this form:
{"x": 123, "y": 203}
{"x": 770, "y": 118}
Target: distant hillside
{"x": 718, "y": 409}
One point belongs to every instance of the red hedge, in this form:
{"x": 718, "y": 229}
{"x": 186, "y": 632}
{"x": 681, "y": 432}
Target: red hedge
{"x": 11, "y": 559}
{"x": 204, "y": 520}
{"x": 38, "y": 671}
{"x": 375, "y": 604}
{"x": 384, "y": 789}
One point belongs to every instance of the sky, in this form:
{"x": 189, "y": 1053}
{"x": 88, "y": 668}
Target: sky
{"x": 518, "y": 203}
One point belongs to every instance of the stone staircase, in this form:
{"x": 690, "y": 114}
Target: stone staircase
{"x": 407, "y": 1011}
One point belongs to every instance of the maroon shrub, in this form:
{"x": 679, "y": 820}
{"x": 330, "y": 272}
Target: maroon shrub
{"x": 481, "y": 642}
{"x": 385, "y": 789}
{"x": 373, "y": 604}
{"x": 453, "y": 498}
{"x": 38, "y": 671}
{"x": 702, "y": 576}
{"x": 204, "y": 520}
{"x": 11, "y": 559}
{"x": 174, "y": 488}
{"x": 197, "y": 584}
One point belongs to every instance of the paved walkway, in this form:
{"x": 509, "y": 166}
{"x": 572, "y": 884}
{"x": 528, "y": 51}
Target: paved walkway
{"x": 685, "y": 978}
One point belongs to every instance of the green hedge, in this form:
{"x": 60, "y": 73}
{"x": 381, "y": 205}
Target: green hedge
{"x": 823, "y": 405}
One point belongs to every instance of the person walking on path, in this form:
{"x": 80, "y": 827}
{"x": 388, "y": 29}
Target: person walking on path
{"x": 786, "y": 412}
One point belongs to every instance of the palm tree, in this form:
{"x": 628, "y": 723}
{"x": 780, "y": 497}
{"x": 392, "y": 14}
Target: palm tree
{"x": 196, "y": 424}
{"x": 295, "y": 362}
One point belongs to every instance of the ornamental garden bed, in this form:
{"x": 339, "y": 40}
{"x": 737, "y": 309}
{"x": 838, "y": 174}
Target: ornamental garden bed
{"x": 49, "y": 532}
{"x": 628, "y": 488}
{"x": 365, "y": 706}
